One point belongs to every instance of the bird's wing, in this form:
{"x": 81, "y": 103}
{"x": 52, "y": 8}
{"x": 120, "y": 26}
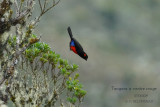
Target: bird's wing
{"x": 77, "y": 45}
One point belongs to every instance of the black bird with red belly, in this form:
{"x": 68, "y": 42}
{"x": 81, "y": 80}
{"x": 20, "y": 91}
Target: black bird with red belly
{"x": 76, "y": 47}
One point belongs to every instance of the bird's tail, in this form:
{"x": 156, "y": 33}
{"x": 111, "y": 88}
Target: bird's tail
{"x": 70, "y": 32}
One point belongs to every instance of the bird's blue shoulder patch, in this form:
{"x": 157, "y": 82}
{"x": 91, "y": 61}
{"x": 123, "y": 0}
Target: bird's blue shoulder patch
{"x": 72, "y": 43}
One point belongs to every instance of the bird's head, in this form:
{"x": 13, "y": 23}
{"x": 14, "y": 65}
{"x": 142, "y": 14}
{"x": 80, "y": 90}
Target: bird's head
{"x": 85, "y": 56}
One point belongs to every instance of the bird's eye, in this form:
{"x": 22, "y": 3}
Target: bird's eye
{"x": 84, "y": 54}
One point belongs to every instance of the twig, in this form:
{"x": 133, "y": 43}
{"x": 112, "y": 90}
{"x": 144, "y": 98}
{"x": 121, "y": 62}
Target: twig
{"x": 52, "y": 6}
{"x": 39, "y": 1}
{"x": 1, "y": 82}
{"x": 44, "y": 6}
{"x": 21, "y": 4}
{"x": 17, "y": 7}
{"x": 17, "y": 39}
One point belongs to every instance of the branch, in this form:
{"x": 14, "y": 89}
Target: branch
{"x": 44, "y": 10}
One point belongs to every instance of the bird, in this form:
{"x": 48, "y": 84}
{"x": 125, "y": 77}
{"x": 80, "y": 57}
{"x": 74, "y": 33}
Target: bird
{"x": 75, "y": 46}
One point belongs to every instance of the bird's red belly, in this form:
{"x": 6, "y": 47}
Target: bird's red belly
{"x": 73, "y": 49}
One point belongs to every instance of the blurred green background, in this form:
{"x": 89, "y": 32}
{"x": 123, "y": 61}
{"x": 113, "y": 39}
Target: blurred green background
{"x": 122, "y": 40}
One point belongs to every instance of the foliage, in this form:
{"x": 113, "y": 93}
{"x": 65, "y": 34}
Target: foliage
{"x": 42, "y": 78}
